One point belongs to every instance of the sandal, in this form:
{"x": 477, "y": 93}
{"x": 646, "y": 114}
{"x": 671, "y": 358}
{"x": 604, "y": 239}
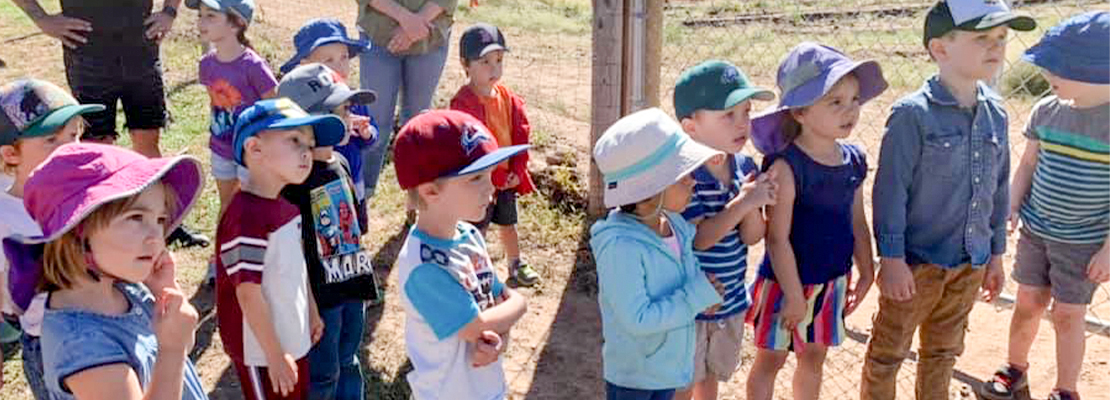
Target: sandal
{"x": 1058, "y": 394}
{"x": 1005, "y": 382}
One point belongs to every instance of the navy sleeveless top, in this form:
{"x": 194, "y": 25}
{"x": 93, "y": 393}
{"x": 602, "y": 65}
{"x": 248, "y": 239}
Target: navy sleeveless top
{"x": 821, "y": 230}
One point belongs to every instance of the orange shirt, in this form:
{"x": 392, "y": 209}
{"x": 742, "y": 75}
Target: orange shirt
{"x": 499, "y": 117}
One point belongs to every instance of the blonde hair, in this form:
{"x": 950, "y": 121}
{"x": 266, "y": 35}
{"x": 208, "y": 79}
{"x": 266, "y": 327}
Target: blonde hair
{"x": 64, "y": 259}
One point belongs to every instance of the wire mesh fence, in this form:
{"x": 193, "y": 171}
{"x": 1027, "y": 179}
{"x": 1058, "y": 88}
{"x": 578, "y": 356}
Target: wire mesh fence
{"x": 549, "y": 66}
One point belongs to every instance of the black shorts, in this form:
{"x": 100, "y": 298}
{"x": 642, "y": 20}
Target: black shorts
{"x": 131, "y": 76}
{"x": 502, "y": 211}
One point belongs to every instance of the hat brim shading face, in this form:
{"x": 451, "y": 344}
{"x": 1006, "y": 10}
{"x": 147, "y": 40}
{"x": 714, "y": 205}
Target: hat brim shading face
{"x": 490, "y": 160}
{"x": 354, "y": 48}
{"x": 182, "y": 174}
{"x": 489, "y": 49}
{"x": 767, "y": 127}
{"x": 740, "y": 95}
{"x": 328, "y": 130}
{"x": 342, "y": 96}
{"x": 1066, "y": 49}
{"x": 681, "y": 159}
{"x": 59, "y": 118}
{"x": 1014, "y": 21}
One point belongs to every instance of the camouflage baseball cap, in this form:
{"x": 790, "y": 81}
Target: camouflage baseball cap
{"x": 32, "y": 108}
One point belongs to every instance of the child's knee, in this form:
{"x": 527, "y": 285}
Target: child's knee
{"x": 812, "y": 356}
{"x": 1068, "y": 316}
{"x": 771, "y": 360}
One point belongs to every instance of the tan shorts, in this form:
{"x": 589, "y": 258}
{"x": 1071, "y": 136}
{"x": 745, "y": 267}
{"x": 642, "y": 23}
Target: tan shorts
{"x": 717, "y": 353}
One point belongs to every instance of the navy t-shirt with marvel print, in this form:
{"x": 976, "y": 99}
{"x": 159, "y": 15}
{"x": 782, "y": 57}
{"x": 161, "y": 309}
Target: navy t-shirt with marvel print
{"x": 339, "y": 267}
{"x": 727, "y": 260}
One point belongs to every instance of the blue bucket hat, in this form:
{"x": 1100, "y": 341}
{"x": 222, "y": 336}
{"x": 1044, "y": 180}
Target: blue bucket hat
{"x": 807, "y": 73}
{"x": 321, "y": 32}
{"x": 282, "y": 113}
{"x": 1072, "y": 49}
{"x": 242, "y": 8}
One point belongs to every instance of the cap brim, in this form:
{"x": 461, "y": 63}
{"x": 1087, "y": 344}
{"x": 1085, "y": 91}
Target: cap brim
{"x": 328, "y": 130}
{"x": 491, "y": 48}
{"x": 492, "y": 159}
{"x": 58, "y": 118}
{"x": 353, "y": 96}
{"x": 1017, "y": 22}
{"x": 739, "y": 95}
{"x": 182, "y": 173}
{"x": 195, "y": 4}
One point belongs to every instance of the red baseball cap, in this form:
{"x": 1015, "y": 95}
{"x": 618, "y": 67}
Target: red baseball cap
{"x": 445, "y": 143}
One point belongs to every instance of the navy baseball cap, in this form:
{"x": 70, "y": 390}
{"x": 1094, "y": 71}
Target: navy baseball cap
{"x": 1068, "y": 50}
{"x": 321, "y": 32}
{"x": 972, "y": 15}
{"x": 283, "y": 113}
{"x": 480, "y": 39}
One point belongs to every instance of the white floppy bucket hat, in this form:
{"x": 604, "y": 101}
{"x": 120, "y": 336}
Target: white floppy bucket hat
{"x": 643, "y": 153}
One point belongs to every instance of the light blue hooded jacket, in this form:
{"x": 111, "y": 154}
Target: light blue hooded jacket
{"x": 648, "y": 300}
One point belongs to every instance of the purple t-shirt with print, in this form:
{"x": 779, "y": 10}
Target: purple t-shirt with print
{"x": 232, "y": 86}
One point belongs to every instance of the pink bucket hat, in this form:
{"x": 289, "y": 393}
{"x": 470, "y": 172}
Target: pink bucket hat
{"x": 72, "y": 183}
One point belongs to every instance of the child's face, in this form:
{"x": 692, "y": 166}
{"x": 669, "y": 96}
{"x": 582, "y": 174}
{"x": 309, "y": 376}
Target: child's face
{"x": 486, "y": 71}
{"x": 130, "y": 244}
{"x": 334, "y": 56}
{"x": 834, "y": 115}
{"x": 723, "y": 130}
{"x": 1082, "y": 93}
{"x": 975, "y": 55}
{"x": 286, "y": 152}
{"x": 344, "y": 113}
{"x": 33, "y": 151}
{"x": 465, "y": 197}
{"x": 215, "y": 26}
{"x": 677, "y": 196}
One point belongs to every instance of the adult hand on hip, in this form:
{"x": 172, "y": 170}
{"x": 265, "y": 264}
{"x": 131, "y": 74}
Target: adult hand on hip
{"x": 158, "y": 25}
{"x": 71, "y": 31}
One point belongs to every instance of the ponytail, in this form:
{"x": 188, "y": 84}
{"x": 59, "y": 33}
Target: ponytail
{"x": 242, "y": 24}
{"x": 791, "y": 129}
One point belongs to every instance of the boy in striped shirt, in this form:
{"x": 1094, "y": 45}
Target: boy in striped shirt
{"x": 1061, "y": 193}
{"x": 713, "y": 102}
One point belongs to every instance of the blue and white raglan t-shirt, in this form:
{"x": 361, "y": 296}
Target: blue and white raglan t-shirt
{"x": 445, "y": 285}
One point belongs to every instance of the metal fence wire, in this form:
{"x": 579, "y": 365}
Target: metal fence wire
{"x": 550, "y": 68}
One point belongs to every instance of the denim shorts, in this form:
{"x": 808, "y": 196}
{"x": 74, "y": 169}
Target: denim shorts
{"x": 224, "y": 169}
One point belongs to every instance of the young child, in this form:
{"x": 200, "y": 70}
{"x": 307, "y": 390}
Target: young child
{"x": 712, "y": 101}
{"x": 818, "y": 225}
{"x": 325, "y": 41}
{"x": 481, "y": 51}
{"x": 267, "y": 314}
{"x": 1063, "y": 253}
{"x": 651, "y": 288}
{"x": 339, "y": 268}
{"x": 458, "y": 313}
{"x": 35, "y": 118}
{"x": 105, "y": 212}
{"x": 235, "y": 77}
{"x": 940, "y": 198}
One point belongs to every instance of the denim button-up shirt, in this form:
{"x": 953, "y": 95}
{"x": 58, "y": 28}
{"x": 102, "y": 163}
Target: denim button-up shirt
{"x": 942, "y": 190}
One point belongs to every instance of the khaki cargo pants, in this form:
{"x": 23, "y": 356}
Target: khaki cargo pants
{"x": 944, "y": 297}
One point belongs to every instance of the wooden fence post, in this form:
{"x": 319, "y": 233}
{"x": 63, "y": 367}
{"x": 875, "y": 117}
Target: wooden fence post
{"x": 605, "y": 96}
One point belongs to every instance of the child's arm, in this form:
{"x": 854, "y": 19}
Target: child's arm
{"x": 898, "y": 158}
{"x": 499, "y": 318}
{"x": 783, "y": 262}
{"x": 755, "y": 193}
{"x": 753, "y": 227}
{"x": 174, "y": 321}
{"x": 281, "y": 366}
{"x": 1023, "y": 179}
{"x": 865, "y": 261}
{"x": 1098, "y": 269}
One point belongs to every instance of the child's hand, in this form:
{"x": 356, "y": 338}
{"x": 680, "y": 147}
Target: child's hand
{"x": 360, "y": 126}
{"x": 1098, "y": 270}
{"x": 512, "y": 181}
{"x": 896, "y": 279}
{"x": 162, "y": 276}
{"x": 1014, "y": 220}
{"x": 720, "y": 288}
{"x": 793, "y": 311}
{"x": 282, "y": 369}
{"x": 487, "y": 349}
{"x": 759, "y": 191}
{"x": 858, "y": 292}
{"x": 316, "y": 325}
{"x": 174, "y": 322}
{"x": 993, "y": 280}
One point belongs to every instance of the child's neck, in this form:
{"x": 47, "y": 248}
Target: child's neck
{"x": 437, "y": 226}
{"x": 264, "y": 184}
{"x": 480, "y": 89}
{"x": 820, "y": 148}
{"x": 228, "y": 49}
{"x": 97, "y": 296}
{"x": 721, "y": 167}
{"x": 17, "y": 184}
{"x": 964, "y": 89}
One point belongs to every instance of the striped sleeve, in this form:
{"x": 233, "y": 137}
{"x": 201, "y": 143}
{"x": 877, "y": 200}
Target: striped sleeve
{"x": 243, "y": 258}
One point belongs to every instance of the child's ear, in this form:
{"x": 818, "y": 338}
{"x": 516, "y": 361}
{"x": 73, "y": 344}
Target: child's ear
{"x": 688, "y": 125}
{"x": 9, "y": 154}
{"x": 252, "y": 147}
{"x": 936, "y": 49}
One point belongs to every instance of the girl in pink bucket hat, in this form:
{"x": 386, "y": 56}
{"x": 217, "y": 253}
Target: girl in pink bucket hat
{"x": 105, "y": 212}
{"x": 803, "y": 291}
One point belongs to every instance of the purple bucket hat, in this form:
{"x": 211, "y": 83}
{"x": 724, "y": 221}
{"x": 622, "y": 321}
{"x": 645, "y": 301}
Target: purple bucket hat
{"x": 72, "y": 183}
{"x": 807, "y": 73}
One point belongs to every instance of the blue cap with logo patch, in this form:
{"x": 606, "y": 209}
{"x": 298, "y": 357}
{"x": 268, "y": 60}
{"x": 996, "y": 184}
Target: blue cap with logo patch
{"x": 283, "y": 113}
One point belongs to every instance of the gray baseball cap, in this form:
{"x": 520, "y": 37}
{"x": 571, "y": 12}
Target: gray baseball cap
{"x": 319, "y": 90}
